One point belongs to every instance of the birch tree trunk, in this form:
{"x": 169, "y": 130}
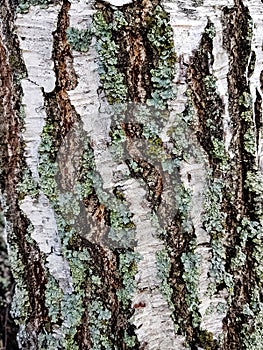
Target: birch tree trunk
{"x": 131, "y": 174}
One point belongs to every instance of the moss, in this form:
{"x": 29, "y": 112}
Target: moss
{"x": 206, "y": 340}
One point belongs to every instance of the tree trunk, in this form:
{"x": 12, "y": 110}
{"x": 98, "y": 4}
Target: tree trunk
{"x": 131, "y": 174}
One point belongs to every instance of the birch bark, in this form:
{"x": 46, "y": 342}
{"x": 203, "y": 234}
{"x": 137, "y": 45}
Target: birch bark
{"x": 131, "y": 174}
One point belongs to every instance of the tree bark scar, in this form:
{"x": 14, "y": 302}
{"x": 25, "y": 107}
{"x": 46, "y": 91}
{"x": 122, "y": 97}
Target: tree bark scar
{"x": 65, "y": 75}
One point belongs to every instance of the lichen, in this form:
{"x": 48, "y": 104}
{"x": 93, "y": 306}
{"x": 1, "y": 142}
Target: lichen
{"x": 127, "y": 269}
{"x": 163, "y": 265}
{"x": 99, "y": 319}
{"x": 79, "y": 39}
{"x": 20, "y": 308}
{"x": 160, "y": 36}
{"x": 27, "y": 185}
{"x": 112, "y": 80}
{"x": 215, "y": 223}
{"x": 24, "y": 5}
{"x": 191, "y": 264}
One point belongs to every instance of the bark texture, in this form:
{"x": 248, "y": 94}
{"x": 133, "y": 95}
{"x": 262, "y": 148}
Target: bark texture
{"x": 131, "y": 174}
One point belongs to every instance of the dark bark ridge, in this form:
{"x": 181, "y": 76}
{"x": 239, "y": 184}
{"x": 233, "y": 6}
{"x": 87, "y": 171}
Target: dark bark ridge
{"x": 234, "y": 207}
{"x": 246, "y": 213}
{"x": 25, "y": 257}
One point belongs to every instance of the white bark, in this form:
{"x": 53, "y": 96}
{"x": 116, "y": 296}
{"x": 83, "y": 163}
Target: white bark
{"x": 34, "y": 30}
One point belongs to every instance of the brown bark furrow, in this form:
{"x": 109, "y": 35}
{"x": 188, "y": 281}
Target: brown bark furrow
{"x": 238, "y": 35}
{"x": 12, "y": 154}
{"x": 206, "y": 99}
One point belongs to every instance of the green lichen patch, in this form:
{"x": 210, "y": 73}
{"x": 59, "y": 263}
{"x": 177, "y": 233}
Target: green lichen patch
{"x": 127, "y": 269}
{"x": 160, "y": 36}
{"x": 112, "y": 79}
{"x": 79, "y": 39}
{"x": 24, "y": 5}
{"x": 85, "y": 259}
{"x": 191, "y": 263}
{"x": 21, "y": 307}
{"x": 27, "y": 185}
{"x": 99, "y": 318}
{"x": 164, "y": 269}
{"x": 181, "y": 133}
{"x": 147, "y": 33}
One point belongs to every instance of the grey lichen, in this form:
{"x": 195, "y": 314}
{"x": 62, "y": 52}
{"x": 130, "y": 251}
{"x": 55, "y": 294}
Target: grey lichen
{"x": 127, "y": 269}
{"x": 79, "y": 39}
{"x": 191, "y": 262}
{"x": 160, "y": 35}
{"x": 163, "y": 272}
{"x": 99, "y": 318}
{"x": 27, "y": 185}
{"x": 20, "y": 309}
{"x": 112, "y": 80}
{"x": 24, "y": 5}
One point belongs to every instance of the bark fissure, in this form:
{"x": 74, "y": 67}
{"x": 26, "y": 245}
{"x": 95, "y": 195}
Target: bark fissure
{"x": 30, "y": 275}
{"x": 238, "y": 26}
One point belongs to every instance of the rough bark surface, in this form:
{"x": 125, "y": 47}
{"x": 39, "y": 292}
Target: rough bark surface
{"x": 131, "y": 174}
